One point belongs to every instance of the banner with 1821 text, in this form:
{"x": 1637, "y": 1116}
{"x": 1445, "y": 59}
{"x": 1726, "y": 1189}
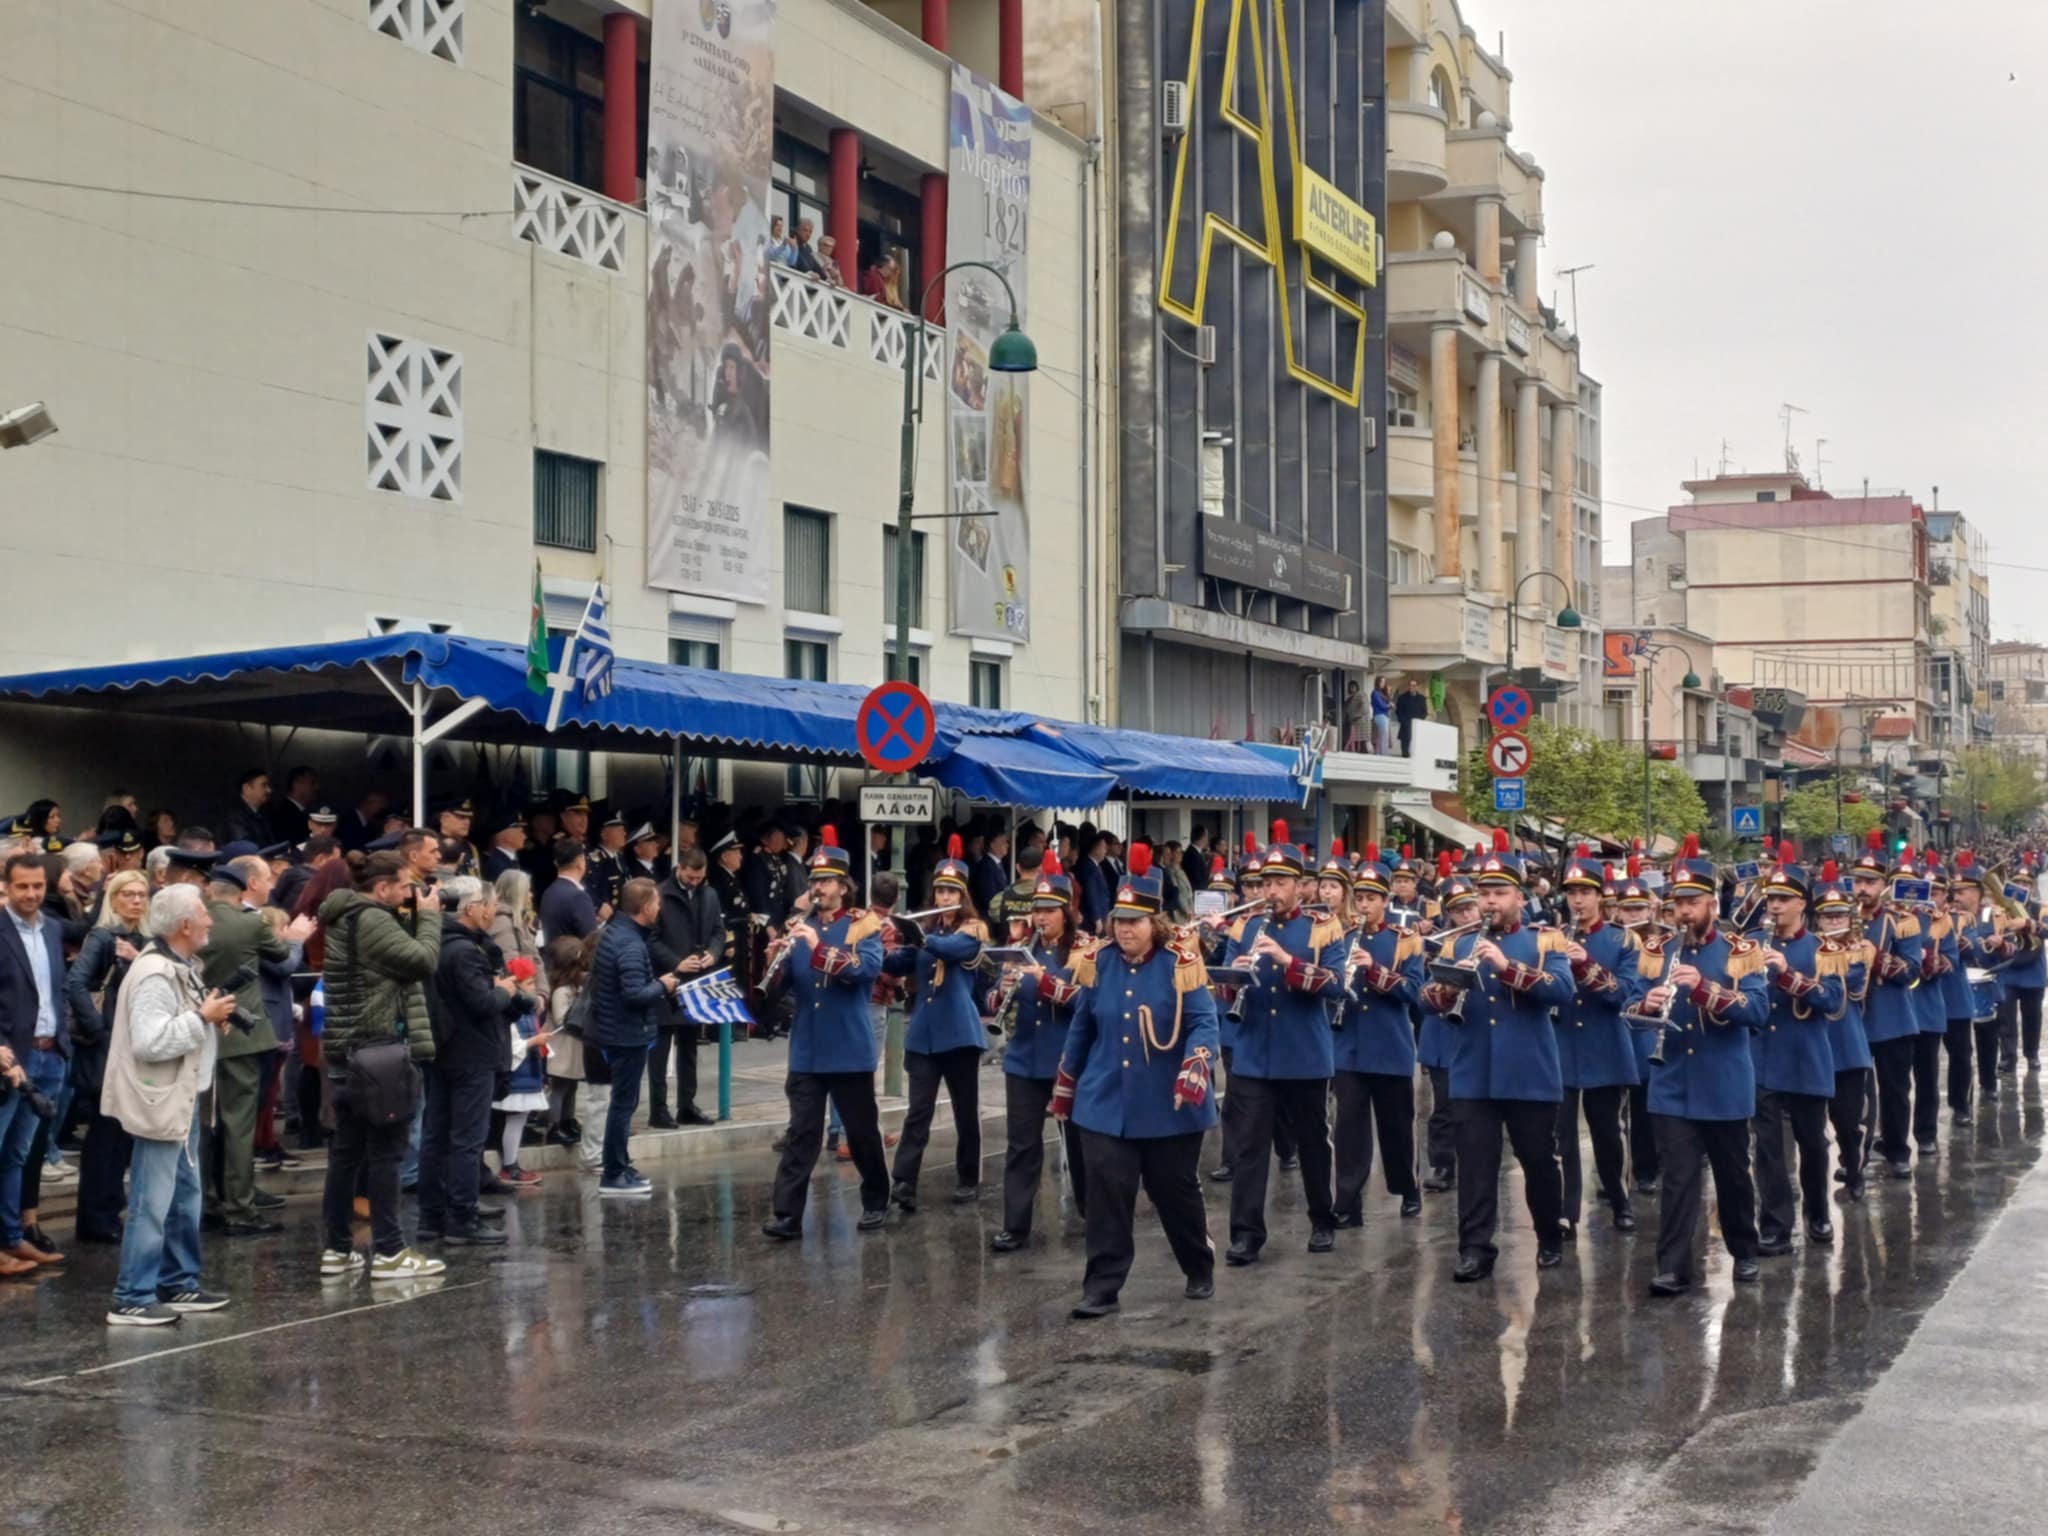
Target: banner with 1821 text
{"x": 988, "y": 419}
{"x": 710, "y": 144}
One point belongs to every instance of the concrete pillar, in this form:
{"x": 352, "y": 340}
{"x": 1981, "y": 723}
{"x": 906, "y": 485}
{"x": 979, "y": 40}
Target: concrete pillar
{"x": 935, "y": 24}
{"x": 1564, "y": 477}
{"x": 1487, "y": 237}
{"x": 844, "y": 214}
{"x": 621, "y": 108}
{"x": 1418, "y": 75}
{"x": 1443, "y": 422}
{"x": 1010, "y": 47}
{"x": 1491, "y": 546}
{"x": 1525, "y": 270}
{"x": 1528, "y": 480}
{"x": 931, "y": 245}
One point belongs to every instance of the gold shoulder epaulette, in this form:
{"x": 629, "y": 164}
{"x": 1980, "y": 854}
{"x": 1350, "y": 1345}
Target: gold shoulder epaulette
{"x": 1834, "y": 958}
{"x": 1325, "y": 931}
{"x": 1407, "y": 947}
{"x": 1745, "y": 958}
{"x": 1189, "y": 973}
{"x": 1551, "y": 941}
{"x": 863, "y": 925}
{"x": 1905, "y": 925}
{"x": 1081, "y": 961}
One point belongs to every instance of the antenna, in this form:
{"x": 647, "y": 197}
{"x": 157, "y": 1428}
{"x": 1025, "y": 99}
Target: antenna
{"x": 1819, "y": 481}
{"x": 1573, "y": 274}
{"x": 1724, "y": 457}
{"x": 1785, "y": 412}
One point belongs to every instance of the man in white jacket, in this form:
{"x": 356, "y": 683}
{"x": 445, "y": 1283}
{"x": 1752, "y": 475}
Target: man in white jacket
{"x": 159, "y": 1057}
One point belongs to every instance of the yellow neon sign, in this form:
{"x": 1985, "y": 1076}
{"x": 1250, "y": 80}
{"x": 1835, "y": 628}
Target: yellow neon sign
{"x": 1336, "y": 236}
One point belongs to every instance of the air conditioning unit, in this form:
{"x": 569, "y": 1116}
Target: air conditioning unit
{"x": 1173, "y": 107}
{"x": 1401, "y": 418}
{"x": 1205, "y": 345}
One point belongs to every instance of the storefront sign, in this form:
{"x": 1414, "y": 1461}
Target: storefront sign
{"x": 1256, "y": 557}
{"x": 1335, "y": 228}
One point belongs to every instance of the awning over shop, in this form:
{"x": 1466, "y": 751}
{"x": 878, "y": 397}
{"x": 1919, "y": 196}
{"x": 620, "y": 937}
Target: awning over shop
{"x": 1011, "y": 770}
{"x": 1172, "y": 767}
{"x": 1423, "y": 812}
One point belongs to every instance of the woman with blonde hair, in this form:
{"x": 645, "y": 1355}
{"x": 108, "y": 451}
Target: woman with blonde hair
{"x": 92, "y": 985}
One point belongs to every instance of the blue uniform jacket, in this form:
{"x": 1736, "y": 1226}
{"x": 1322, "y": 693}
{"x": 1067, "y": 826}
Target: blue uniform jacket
{"x": 1953, "y": 983}
{"x": 832, "y": 982}
{"x": 1889, "y": 1012}
{"x": 1982, "y": 947}
{"x": 1285, "y": 1032}
{"x": 1122, "y": 1086}
{"x": 1230, "y": 952}
{"x": 1847, "y": 1043}
{"x": 1791, "y": 1052}
{"x": 1044, "y": 1009}
{"x": 1504, "y": 1046}
{"x": 1594, "y": 1044}
{"x": 2029, "y": 968}
{"x": 1707, "y": 1072}
{"x": 946, "y": 1017}
{"x": 1377, "y": 1036}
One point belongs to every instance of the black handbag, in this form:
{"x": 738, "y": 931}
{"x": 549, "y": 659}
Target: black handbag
{"x": 383, "y": 1085}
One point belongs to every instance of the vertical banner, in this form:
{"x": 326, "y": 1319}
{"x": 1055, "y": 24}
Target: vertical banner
{"x": 710, "y": 142}
{"x": 987, "y": 197}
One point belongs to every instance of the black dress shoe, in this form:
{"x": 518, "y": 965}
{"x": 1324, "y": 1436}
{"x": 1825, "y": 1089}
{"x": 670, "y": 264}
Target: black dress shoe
{"x": 1820, "y": 1232}
{"x": 904, "y": 1195}
{"x": 1289, "y": 1164}
{"x": 1238, "y": 1255}
{"x": 256, "y": 1226}
{"x": 871, "y": 1221}
{"x": 1902, "y": 1170}
{"x": 1567, "y": 1229}
{"x": 662, "y": 1120}
{"x": 1646, "y": 1186}
{"x": 786, "y": 1229}
{"x": 1773, "y": 1247}
{"x": 427, "y": 1235}
{"x": 1352, "y": 1219}
{"x": 1007, "y": 1241}
{"x": 1093, "y": 1309}
{"x": 966, "y": 1194}
{"x": 1220, "y": 1175}
{"x": 1624, "y": 1220}
{"x": 1926, "y": 1146}
{"x": 1668, "y": 1284}
{"x": 1549, "y": 1258}
{"x": 1841, "y": 1175}
{"x": 690, "y": 1114}
{"x": 1411, "y": 1205}
{"x": 1857, "y": 1189}
{"x": 1472, "y": 1267}
{"x": 1200, "y": 1290}
{"x": 475, "y": 1235}
{"x": 1322, "y": 1240}
{"x": 1748, "y": 1271}
{"x": 1439, "y": 1180}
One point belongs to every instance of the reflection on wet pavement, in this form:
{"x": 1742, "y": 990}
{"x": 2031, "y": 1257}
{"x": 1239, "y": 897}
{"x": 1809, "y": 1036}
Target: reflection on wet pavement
{"x": 655, "y": 1365}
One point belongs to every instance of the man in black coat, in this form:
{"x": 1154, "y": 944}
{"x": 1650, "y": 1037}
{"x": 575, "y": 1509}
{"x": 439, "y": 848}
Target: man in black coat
{"x": 1411, "y": 706}
{"x": 249, "y": 821}
{"x": 690, "y": 938}
{"x": 474, "y": 1004}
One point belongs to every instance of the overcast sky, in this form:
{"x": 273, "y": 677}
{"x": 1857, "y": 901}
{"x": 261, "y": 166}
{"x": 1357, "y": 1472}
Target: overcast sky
{"x": 1836, "y": 203}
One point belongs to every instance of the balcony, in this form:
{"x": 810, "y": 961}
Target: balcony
{"x": 1430, "y": 288}
{"x": 1415, "y": 151}
{"x": 837, "y": 318}
{"x": 1442, "y": 625}
{"x": 1411, "y": 464}
{"x": 569, "y": 220}
{"x": 1481, "y": 164}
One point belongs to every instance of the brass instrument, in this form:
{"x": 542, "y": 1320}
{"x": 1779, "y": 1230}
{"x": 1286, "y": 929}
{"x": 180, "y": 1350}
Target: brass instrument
{"x": 1455, "y": 1014}
{"x": 1749, "y": 900}
{"x": 1451, "y": 933}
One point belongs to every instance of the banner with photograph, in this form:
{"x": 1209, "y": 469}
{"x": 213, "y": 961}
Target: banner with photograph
{"x": 988, "y": 421}
{"x": 710, "y": 142}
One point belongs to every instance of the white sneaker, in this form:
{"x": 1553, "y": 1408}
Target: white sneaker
{"x": 406, "y": 1264}
{"x": 59, "y": 1173}
{"x": 337, "y": 1265}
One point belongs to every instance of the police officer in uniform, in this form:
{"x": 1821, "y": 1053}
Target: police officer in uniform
{"x": 1703, "y": 1092}
{"x": 1284, "y": 1055}
{"x": 1504, "y": 1067}
{"x": 1890, "y": 1017}
{"x": 1459, "y": 907}
{"x": 1136, "y": 1079}
{"x": 834, "y": 961}
{"x": 1595, "y": 1049}
{"x": 1795, "y": 1066}
{"x": 1375, "y": 1052}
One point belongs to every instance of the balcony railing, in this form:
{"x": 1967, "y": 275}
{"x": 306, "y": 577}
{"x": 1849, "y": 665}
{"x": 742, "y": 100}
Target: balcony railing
{"x": 837, "y": 318}
{"x": 566, "y": 219}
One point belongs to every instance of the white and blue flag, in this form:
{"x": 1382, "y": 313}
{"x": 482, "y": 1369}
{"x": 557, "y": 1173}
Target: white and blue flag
{"x": 714, "y": 999}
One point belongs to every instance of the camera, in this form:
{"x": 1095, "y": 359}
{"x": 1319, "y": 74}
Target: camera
{"x": 243, "y": 976}
{"x": 38, "y": 1104}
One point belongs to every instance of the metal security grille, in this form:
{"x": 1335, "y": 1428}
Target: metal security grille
{"x": 564, "y": 501}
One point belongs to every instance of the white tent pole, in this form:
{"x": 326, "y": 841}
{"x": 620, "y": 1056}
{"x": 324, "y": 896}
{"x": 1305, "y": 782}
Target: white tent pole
{"x": 675, "y": 802}
{"x": 419, "y": 755}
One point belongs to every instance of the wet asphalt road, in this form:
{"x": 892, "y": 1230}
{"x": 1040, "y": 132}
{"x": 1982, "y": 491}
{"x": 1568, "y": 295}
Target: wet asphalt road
{"x": 657, "y": 1366}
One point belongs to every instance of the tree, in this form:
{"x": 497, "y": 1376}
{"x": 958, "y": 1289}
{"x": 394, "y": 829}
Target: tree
{"x": 2007, "y": 783}
{"x": 1809, "y": 812}
{"x": 1589, "y": 786}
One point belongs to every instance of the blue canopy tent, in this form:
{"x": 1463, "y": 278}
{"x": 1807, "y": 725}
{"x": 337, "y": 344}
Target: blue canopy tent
{"x": 1171, "y": 767}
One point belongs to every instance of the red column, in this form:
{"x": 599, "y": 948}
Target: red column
{"x": 934, "y": 32}
{"x": 621, "y": 108}
{"x": 1011, "y": 34}
{"x": 845, "y": 212}
{"x": 931, "y": 244}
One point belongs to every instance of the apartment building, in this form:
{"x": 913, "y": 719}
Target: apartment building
{"x": 2016, "y": 691}
{"x": 1959, "y": 630}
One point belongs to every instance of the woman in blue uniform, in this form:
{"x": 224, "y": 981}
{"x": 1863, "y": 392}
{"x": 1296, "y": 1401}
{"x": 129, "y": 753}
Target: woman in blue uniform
{"x": 1047, "y": 991}
{"x": 945, "y": 1037}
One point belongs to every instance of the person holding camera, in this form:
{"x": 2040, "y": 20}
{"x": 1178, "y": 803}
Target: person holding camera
{"x": 383, "y": 943}
{"x": 168, "y": 1026}
{"x": 33, "y": 1026}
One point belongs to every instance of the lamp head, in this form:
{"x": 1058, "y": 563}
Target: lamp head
{"x": 1013, "y": 351}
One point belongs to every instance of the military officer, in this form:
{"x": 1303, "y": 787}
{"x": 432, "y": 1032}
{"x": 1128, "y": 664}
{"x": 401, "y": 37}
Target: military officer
{"x": 1504, "y": 1068}
{"x": 452, "y": 822}
{"x": 944, "y": 1037}
{"x": 1375, "y": 1052}
{"x": 1459, "y": 899}
{"x": 834, "y": 961}
{"x": 606, "y": 875}
{"x": 1794, "y": 1061}
{"x": 1407, "y": 905}
{"x": 1595, "y": 1049}
{"x": 1890, "y": 1017}
{"x": 1703, "y": 1092}
{"x": 1135, "y": 1077}
{"x": 1284, "y": 1055}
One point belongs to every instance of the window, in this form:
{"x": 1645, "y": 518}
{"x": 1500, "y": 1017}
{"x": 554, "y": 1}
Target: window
{"x": 702, "y": 780}
{"x": 1405, "y": 566}
{"x": 801, "y": 184}
{"x": 985, "y": 684}
{"x": 2037, "y": 691}
{"x": 1402, "y": 410}
{"x": 810, "y": 661}
{"x": 1442, "y": 97}
{"x": 916, "y": 578}
{"x": 564, "y": 501}
{"x": 1766, "y": 495}
{"x": 1998, "y": 690}
{"x": 806, "y": 561}
{"x": 917, "y": 655}
{"x": 558, "y": 100}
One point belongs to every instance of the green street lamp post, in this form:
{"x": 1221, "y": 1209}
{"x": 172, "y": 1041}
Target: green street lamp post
{"x": 1567, "y": 616}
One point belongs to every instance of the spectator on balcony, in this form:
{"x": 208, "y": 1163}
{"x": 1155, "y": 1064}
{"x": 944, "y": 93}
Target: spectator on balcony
{"x": 883, "y": 282}
{"x": 1382, "y": 716}
{"x": 802, "y": 257}
{"x": 1413, "y": 705}
{"x": 828, "y": 264}
{"x": 781, "y": 249}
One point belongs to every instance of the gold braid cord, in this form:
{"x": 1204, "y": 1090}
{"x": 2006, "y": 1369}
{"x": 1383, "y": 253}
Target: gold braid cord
{"x": 1745, "y": 958}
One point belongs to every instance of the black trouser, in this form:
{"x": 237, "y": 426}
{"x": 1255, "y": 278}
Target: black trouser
{"x": 1302, "y": 1104}
{"x": 1986, "y": 1032}
{"x": 1024, "y": 1104}
{"x": 1442, "y": 1131}
{"x": 452, "y": 1131}
{"x": 310, "y": 1134}
{"x": 1283, "y": 1136}
{"x": 1926, "y": 1086}
{"x": 684, "y": 1043}
{"x": 1169, "y": 1168}
{"x": 1362, "y": 1098}
{"x": 1603, "y": 1119}
{"x": 1531, "y": 1126}
{"x": 960, "y": 1070}
{"x": 1643, "y": 1166}
{"x": 853, "y": 1093}
{"x": 101, "y": 1163}
{"x": 1680, "y": 1145}
{"x": 1845, "y": 1109}
{"x": 2029, "y": 1000}
{"x": 373, "y": 1151}
{"x": 1893, "y": 1060}
{"x": 1808, "y": 1116}
{"x": 1961, "y": 1046}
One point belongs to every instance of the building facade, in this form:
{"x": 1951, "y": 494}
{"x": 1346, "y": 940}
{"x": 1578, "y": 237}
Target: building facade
{"x": 2016, "y": 689}
{"x": 1959, "y": 630}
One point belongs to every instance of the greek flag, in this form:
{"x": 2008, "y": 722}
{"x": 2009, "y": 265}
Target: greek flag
{"x": 714, "y": 999}
{"x": 593, "y": 643}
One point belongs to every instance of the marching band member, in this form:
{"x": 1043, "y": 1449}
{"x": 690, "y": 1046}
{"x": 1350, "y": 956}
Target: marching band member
{"x": 1848, "y": 1046}
{"x": 1985, "y": 946}
{"x": 1284, "y": 1055}
{"x": 2019, "y": 1031}
{"x": 1595, "y": 1049}
{"x": 1635, "y": 909}
{"x": 1375, "y": 1053}
{"x": 945, "y": 1037}
{"x": 835, "y": 959}
{"x": 1704, "y": 1091}
{"x": 1795, "y": 1065}
{"x": 1405, "y": 895}
{"x": 1504, "y": 1070}
{"x": 1251, "y": 881}
{"x": 1889, "y": 1018}
{"x": 1939, "y": 960}
{"x": 1460, "y": 909}
{"x": 1047, "y": 991}
{"x": 1135, "y": 1079}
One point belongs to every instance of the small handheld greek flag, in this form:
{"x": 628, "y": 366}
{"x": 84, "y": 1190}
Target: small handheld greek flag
{"x": 714, "y": 999}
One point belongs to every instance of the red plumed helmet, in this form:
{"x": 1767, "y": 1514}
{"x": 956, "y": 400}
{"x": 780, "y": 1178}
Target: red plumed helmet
{"x": 1690, "y": 848}
{"x": 1051, "y": 866}
{"x": 1336, "y": 847}
{"x": 1407, "y": 850}
{"x": 1875, "y": 841}
{"x": 1830, "y": 872}
{"x": 1479, "y": 850}
{"x": 1444, "y": 865}
{"x": 954, "y": 846}
{"x": 1500, "y": 839}
{"x": 828, "y": 836}
{"x": 1372, "y": 853}
{"x": 1606, "y": 872}
{"x": 1585, "y": 850}
{"x": 1788, "y": 852}
{"x": 1251, "y": 845}
{"x": 1280, "y": 832}
{"x": 1635, "y": 865}
{"x": 1966, "y": 860}
{"x": 1638, "y": 845}
{"x": 1141, "y": 858}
